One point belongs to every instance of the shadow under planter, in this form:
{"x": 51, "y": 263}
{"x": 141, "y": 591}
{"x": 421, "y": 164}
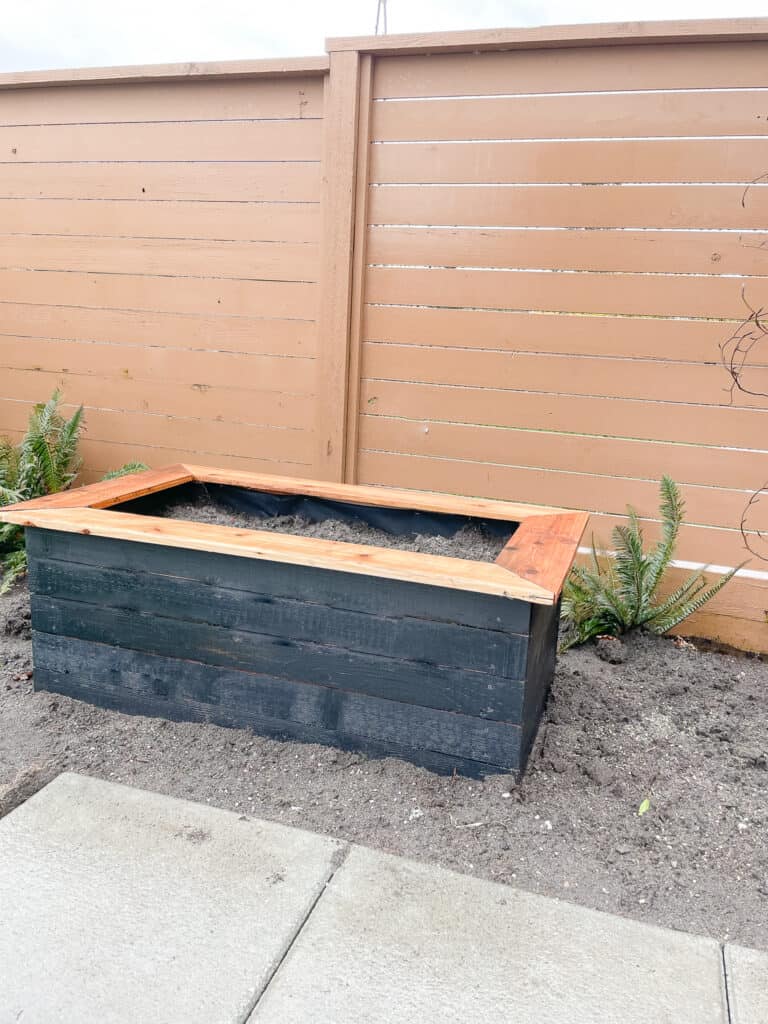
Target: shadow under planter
{"x": 440, "y": 660}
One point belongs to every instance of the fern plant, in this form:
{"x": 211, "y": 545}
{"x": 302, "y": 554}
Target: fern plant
{"x": 45, "y": 461}
{"x": 618, "y": 592}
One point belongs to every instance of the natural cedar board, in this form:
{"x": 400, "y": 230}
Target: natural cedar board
{"x": 676, "y": 65}
{"x": 219, "y": 140}
{"x": 202, "y": 180}
{"x": 598, "y": 206}
{"x": 107, "y": 492}
{"x": 707, "y": 506}
{"x": 340, "y": 154}
{"x": 542, "y": 550}
{"x": 383, "y": 497}
{"x": 636, "y": 337}
{"x": 650, "y": 380}
{"x": 432, "y": 570}
{"x": 602, "y": 293}
{"x": 169, "y": 398}
{"x": 270, "y": 372}
{"x": 190, "y": 100}
{"x": 594, "y": 115}
{"x": 686, "y": 423}
{"x": 697, "y": 464}
{"x": 578, "y": 160}
{"x": 106, "y": 226}
{"x": 685, "y": 252}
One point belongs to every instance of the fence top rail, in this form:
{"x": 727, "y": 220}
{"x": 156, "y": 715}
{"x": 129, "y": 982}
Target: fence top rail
{"x": 138, "y": 73}
{"x": 552, "y": 36}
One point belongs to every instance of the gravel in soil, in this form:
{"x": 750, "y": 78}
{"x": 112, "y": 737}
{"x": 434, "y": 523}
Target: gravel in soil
{"x": 470, "y": 542}
{"x": 657, "y": 720}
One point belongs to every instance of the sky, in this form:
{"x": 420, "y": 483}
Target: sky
{"x": 40, "y": 34}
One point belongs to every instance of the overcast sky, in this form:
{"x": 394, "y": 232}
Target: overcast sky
{"x": 38, "y": 34}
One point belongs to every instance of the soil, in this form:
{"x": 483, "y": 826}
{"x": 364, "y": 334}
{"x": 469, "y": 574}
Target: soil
{"x": 470, "y": 542}
{"x": 649, "y": 720}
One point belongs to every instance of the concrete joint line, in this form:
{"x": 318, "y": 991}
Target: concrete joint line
{"x": 726, "y": 987}
{"x": 338, "y": 861}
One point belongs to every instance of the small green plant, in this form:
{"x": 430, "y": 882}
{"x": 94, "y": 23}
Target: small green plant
{"x": 45, "y": 461}
{"x": 129, "y": 467}
{"x": 619, "y": 591}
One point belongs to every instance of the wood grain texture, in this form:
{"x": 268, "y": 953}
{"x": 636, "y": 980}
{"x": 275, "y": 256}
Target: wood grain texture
{"x": 340, "y": 154}
{"x": 593, "y": 206}
{"x": 543, "y": 548}
{"x": 551, "y": 162}
{"x": 357, "y": 559}
{"x": 109, "y": 492}
{"x": 677, "y": 65}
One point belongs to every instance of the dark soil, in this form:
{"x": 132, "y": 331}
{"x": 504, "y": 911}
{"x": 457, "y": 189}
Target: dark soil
{"x": 471, "y": 542}
{"x": 685, "y": 730}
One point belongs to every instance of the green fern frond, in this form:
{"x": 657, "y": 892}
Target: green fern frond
{"x": 126, "y": 470}
{"x": 12, "y": 568}
{"x": 618, "y": 593}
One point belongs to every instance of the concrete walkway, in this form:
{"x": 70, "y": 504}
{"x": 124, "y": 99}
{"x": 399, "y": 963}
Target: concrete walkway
{"x": 118, "y": 906}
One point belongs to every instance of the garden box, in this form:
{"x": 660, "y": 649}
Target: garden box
{"x": 442, "y": 661}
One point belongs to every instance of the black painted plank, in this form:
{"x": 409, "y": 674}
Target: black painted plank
{"x": 134, "y": 680}
{"x": 388, "y": 634}
{"x": 542, "y": 652}
{"x": 473, "y": 693}
{"x": 336, "y": 589}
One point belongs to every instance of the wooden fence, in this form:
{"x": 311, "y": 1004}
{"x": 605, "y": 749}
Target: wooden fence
{"x": 499, "y": 263}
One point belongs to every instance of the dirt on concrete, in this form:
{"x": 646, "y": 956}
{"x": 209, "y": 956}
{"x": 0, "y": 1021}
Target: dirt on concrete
{"x": 471, "y": 542}
{"x": 654, "y": 721}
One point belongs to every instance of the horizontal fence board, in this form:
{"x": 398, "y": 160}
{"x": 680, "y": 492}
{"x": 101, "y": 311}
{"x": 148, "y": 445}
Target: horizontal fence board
{"x": 595, "y": 115}
{"x": 291, "y": 97}
{"x": 601, "y": 206}
{"x": 206, "y": 296}
{"x": 683, "y": 252}
{"x": 280, "y": 303}
{"x": 577, "y": 69}
{"x": 686, "y": 423}
{"x": 218, "y": 140}
{"x": 101, "y": 457}
{"x": 574, "y": 453}
{"x": 336, "y": 589}
{"x": 225, "y": 221}
{"x": 740, "y": 631}
{"x": 130, "y": 681}
{"x": 557, "y": 374}
{"x": 202, "y": 180}
{"x": 284, "y": 665}
{"x": 285, "y": 306}
{"x": 218, "y": 437}
{"x": 555, "y": 162}
{"x": 708, "y": 506}
{"x": 167, "y": 398}
{"x": 270, "y": 373}
{"x": 556, "y": 291}
{"x": 305, "y": 618}
{"x": 640, "y": 337}
{"x": 268, "y": 260}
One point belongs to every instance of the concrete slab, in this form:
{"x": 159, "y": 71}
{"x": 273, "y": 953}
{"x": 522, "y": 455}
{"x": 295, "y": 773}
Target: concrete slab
{"x": 746, "y": 973}
{"x": 396, "y": 942}
{"x": 121, "y": 906}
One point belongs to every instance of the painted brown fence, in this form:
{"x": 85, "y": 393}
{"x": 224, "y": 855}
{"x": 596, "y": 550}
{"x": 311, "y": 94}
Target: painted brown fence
{"x": 499, "y": 264}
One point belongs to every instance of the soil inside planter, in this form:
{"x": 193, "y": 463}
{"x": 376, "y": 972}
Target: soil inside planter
{"x": 684, "y": 729}
{"x": 477, "y": 541}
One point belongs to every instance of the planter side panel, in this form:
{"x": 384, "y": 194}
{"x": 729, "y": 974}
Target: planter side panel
{"x": 433, "y": 675}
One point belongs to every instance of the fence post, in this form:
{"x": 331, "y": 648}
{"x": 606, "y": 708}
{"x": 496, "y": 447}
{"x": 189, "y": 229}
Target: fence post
{"x": 339, "y": 193}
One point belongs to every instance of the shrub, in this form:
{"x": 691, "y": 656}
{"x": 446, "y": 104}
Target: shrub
{"x": 618, "y": 592}
{"x": 45, "y": 461}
